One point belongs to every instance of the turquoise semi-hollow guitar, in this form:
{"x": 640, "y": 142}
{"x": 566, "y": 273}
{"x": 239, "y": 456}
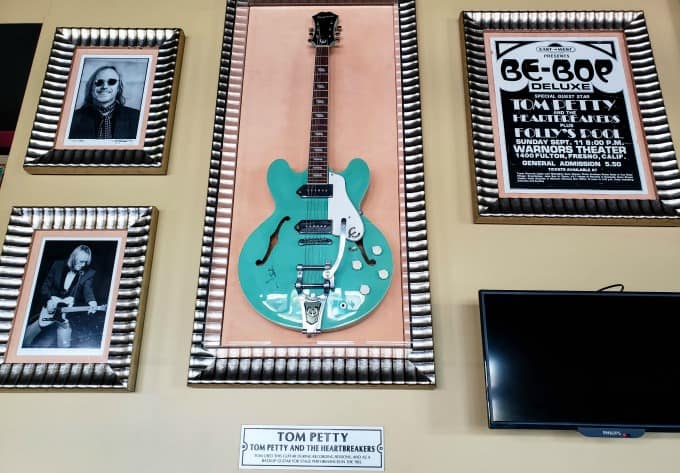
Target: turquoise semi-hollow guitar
{"x": 316, "y": 263}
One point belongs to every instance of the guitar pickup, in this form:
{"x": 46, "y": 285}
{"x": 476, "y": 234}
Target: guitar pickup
{"x": 314, "y": 241}
{"x": 315, "y": 191}
{"x": 314, "y": 226}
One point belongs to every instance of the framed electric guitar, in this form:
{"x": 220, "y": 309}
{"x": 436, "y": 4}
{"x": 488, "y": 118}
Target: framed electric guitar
{"x": 317, "y": 263}
{"x": 314, "y": 262}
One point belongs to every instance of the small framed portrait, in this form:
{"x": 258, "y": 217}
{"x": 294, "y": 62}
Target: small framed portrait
{"x": 561, "y": 106}
{"x": 314, "y": 265}
{"x": 81, "y": 277}
{"x": 108, "y": 102}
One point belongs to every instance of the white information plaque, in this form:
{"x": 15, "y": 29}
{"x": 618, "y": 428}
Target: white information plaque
{"x": 282, "y": 447}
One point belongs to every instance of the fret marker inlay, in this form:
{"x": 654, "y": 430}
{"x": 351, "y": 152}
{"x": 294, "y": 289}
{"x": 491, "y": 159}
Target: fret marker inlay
{"x": 318, "y": 137}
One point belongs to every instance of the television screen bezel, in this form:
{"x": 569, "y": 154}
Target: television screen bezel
{"x": 616, "y": 429}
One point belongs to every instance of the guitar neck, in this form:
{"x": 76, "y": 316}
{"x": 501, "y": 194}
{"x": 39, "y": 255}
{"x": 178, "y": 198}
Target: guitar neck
{"x": 82, "y": 308}
{"x": 317, "y": 166}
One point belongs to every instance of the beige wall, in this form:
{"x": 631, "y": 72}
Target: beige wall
{"x": 166, "y": 427}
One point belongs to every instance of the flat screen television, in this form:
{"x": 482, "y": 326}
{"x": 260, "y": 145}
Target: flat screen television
{"x": 605, "y": 363}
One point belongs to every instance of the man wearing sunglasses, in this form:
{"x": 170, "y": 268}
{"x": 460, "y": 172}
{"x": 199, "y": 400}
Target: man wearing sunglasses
{"x": 104, "y": 115}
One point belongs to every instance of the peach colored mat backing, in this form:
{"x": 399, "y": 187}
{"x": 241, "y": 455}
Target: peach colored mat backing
{"x": 274, "y": 122}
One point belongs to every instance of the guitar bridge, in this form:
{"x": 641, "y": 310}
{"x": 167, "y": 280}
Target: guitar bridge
{"x": 312, "y": 306}
{"x": 314, "y": 241}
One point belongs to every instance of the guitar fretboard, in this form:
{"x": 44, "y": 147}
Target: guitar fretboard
{"x": 317, "y": 166}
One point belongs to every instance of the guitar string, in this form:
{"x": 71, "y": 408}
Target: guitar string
{"x": 317, "y": 209}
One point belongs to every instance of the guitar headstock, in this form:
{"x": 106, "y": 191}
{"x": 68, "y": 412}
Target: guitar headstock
{"x": 326, "y": 31}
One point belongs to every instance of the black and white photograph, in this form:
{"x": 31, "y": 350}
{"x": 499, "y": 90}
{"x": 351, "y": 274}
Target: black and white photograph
{"x": 108, "y": 100}
{"x": 70, "y": 297}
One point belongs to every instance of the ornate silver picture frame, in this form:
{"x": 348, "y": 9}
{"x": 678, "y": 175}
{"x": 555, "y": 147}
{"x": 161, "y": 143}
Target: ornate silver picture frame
{"x": 73, "y": 287}
{"x": 252, "y": 325}
{"x": 567, "y": 120}
{"x": 107, "y": 102}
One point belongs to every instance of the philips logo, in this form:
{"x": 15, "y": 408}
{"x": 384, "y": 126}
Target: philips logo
{"x": 611, "y": 433}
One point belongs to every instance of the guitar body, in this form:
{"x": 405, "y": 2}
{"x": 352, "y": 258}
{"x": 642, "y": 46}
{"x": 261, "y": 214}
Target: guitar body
{"x": 316, "y": 264}
{"x": 47, "y": 318}
{"x": 64, "y": 307}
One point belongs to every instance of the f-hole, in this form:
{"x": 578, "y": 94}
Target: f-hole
{"x": 273, "y": 240}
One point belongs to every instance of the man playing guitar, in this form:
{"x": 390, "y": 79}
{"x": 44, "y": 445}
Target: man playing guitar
{"x": 67, "y": 283}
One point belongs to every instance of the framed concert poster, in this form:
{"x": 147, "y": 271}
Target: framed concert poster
{"x": 74, "y": 283}
{"x": 107, "y": 102}
{"x": 567, "y": 120}
{"x": 314, "y": 264}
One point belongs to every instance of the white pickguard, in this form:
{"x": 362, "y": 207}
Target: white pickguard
{"x": 340, "y": 207}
